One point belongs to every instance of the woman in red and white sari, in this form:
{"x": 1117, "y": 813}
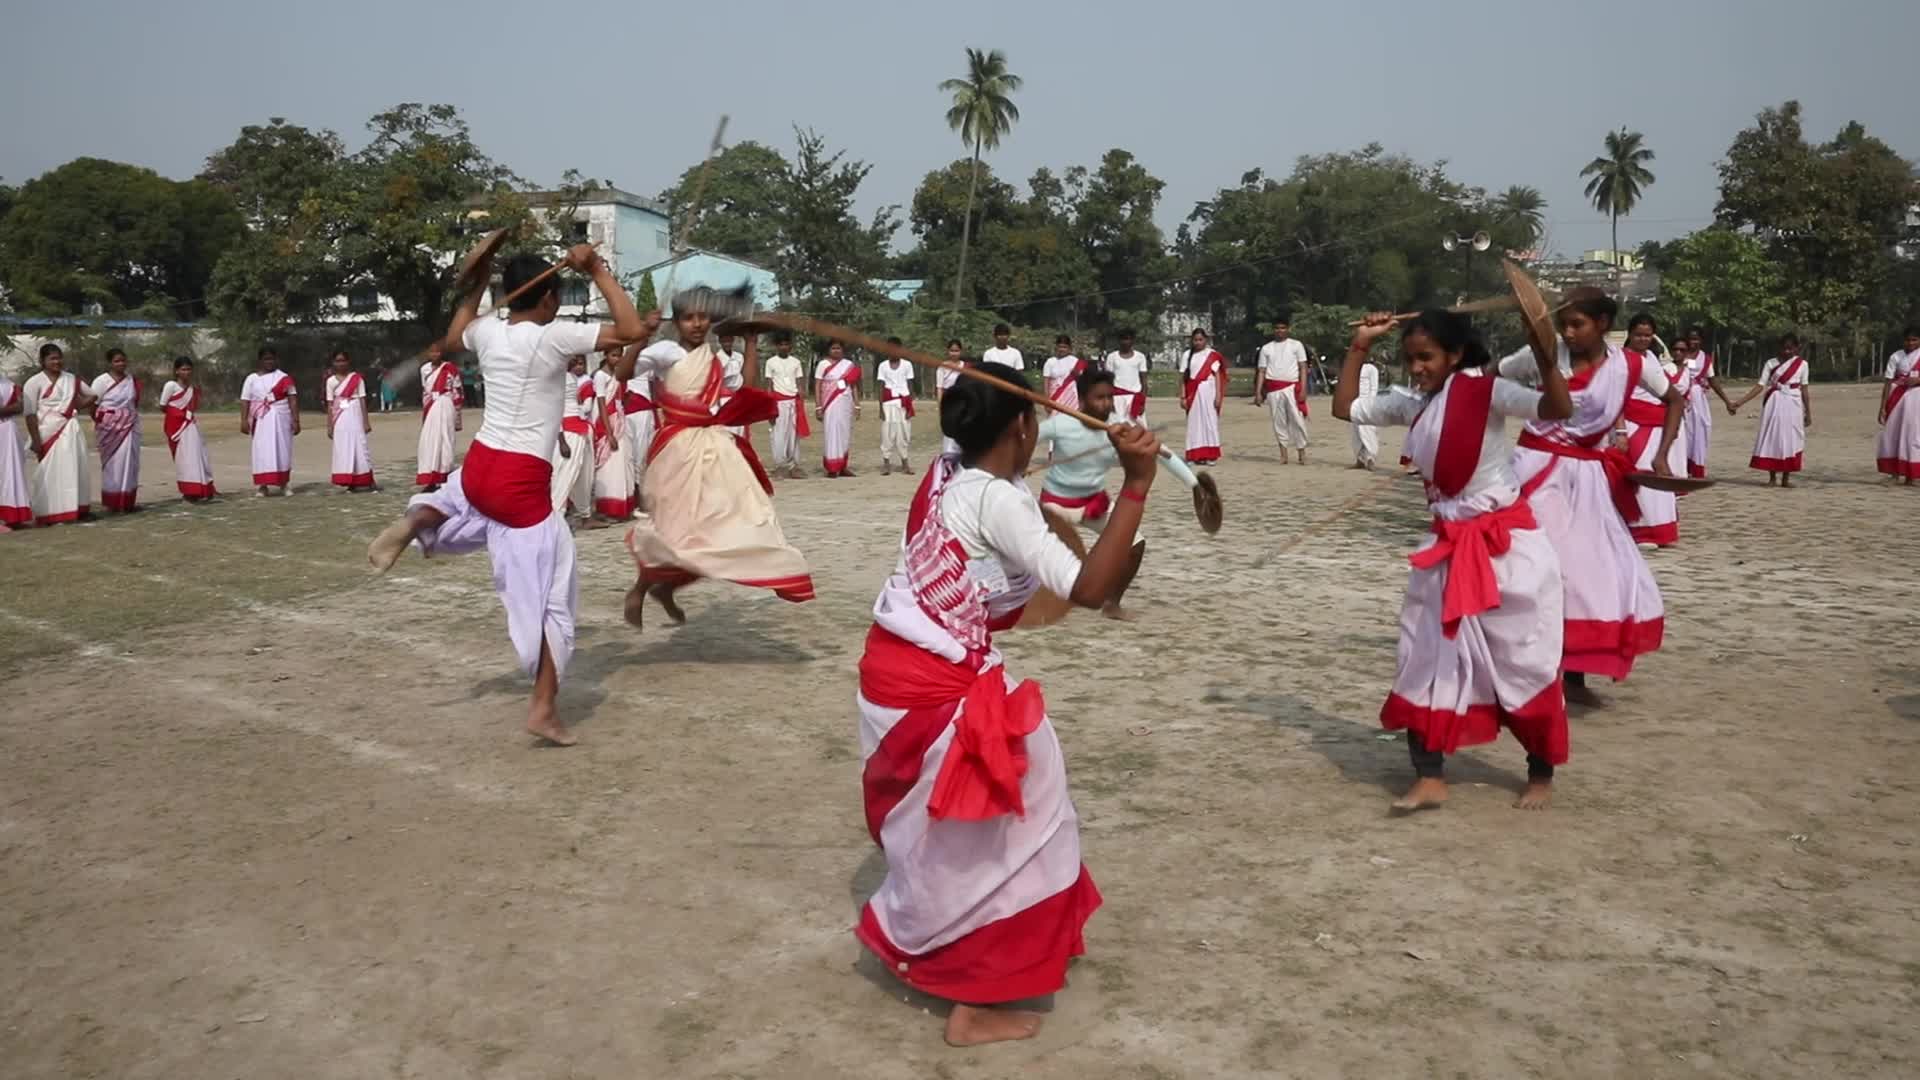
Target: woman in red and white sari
{"x": 270, "y": 413}
{"x": 348, "y": 425}
{"x": 1203, "y": 395}
{"x": 1062, "y": 373}
{"x": 965, "y": 784}
{"x": 62, "y": 484}
{"x": 709, "y": 501}
{"x": 1642, "y": 422}
{"x": 613, "y": 465}
{"x": 116, "y": 432}
{"x": 1577, "y": 486}
{"x": 1480, "y": 631}
{"x": 193, "y": 472}
{"x": 1898, "y": 451}
{"x": 1779, "y": 447}
{"x": 836, "y": 388}
{"x": 16, "y": 496}
{"x": 441, "y": 401}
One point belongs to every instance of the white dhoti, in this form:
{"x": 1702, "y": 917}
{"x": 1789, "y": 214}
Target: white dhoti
{"x": 1289, "y": 422}
{"x": 896, "y": 432}
{"x": 1366, "y": 443}
{"x": 640, "y": 425}
{"x": 533, "y": 571}
{"x": 573, "y": 474}
{"x": 786, "y": 431}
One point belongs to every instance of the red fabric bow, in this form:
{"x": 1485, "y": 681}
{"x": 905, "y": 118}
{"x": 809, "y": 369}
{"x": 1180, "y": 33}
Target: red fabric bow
{"x": 980, "y": 776}
{"x": 1469, "y": 545}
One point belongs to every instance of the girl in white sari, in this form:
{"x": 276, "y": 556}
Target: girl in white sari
{"x": 192, "y": 471}
{"x": 441, "y": 400}
{"x": 1779, "y": 447}
{"x": 836, "y": 388}
{"x": 116, "y": 430}
{"x": 348, "y": 425}
{"x": 62, "y": 483}
{"x": 16, "y": 497}
{"x": 1203, "y": 395}
{"x": 270, "y": 414}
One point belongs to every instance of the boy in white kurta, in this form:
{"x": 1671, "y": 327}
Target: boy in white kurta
{"x": 441, "y": 401}
{"x": 270, "y": 415}
{"x": 895, "y": 377}
{"x": 62, "y": 482}
{"x": 116, "y": 432}
{"x": 499, "y": 499}
{"x": 1281, "y": 383}
{"x": 180, "y": 400}
{"x": 1129, "y": 369}
{"x": 784, "y": 375}
{"x": 349, "y": 426}
{"x": 16, "y": 495}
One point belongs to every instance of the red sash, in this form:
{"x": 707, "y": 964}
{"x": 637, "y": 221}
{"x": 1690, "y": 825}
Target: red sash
{"x": 1137, "y": 404}
{"x": 179, "y": 415}
{"x": 341, "y": 396}
{"x": 906, "y": 400}
{"x": 1192, "y": 384}
{"x": 1463, "y": 432}
{"x": 1272, "y": 386}
{"x": 1900, "y": 388}
{"x": 634, "y": 401}
{"x": 748, "y": 405}
{"x": 980, "y": 776}
{"x": 1615, "y": 462}
{"x": 1468, "y": 546}
{"x": 112, "y": 424}
{"x": 1781, "y": 374}
{"x": 837, "y": 376}
{"x": 800, "y": 426}
{"x": 1070, "y": 380}
{"x": 279, "y": 393}
{"x": 1092, "y": 507}
{"x": 1645, "y": 413}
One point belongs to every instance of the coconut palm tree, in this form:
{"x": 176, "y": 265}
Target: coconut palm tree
{"x": 1524, "y": 208}
{"x": 982, "y": 111}
{"x": 1618, "y": 178}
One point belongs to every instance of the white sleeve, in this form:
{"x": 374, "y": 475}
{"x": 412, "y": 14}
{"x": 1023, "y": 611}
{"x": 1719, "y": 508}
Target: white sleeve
{"x": 99, "y": 384}
{"x": 475, "y": 330}
{"x": 1653, "y": 380}
{"x": 30, "y": 396}
{"x": 1369, "y": 381}
{"x": 1517, "y": 401}
{"x": 247, "y": 389}
{"x": 1893, "y": 366}
{"x": 326, "y": 389}
{"x": 573, "y": 338}
{"x": 1011, "y": 525}
{"x": 1385, "y": 410}
{"x": 1520, "y": 366}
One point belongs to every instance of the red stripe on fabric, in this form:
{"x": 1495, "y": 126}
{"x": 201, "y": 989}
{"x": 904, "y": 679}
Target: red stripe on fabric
{"x": 62, "y": 518}
{"x": 1463, "y": 432}
{"x": 1695, "y": 469}
{"x": 1664, "y": 535}
{"x": 429, "y": 478}
{"x": 1609, "y": 647}
{"x": 613, "y": 508}
{"x": 1203, "y": 453}
{"x": 1092, "y": 507}
{"x": 353, "y": 480}
{"x": 1777, "y": 464}
{"x": 512, "y": 489}
{"x": 1894, "y": 466}
{"x": 194, "y": 491}
{"x": 15, "y": 515}
{"x": 894, "y": 766}
{"x": 835, "y": 466}
{"x": 1649, "y": 413}
{"x": 1024, "y": 955}
{"x": 1540, "y": 724}
{"x": 271, "y": 479}
{"x": 118, "y": 500}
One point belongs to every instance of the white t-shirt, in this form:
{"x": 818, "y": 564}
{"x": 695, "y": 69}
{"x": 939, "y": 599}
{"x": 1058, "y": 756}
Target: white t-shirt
{"x": 784, "y": 372}
{"x": 897, "y": 376}
{"x": 733, "y": 368}
{"x": 995, "y": 519}
{"x": 1127, "y": 370}
{"x": 1283, "y": 361}
{"x": 1009, "y": 356}
{"x": 524, "y": 367}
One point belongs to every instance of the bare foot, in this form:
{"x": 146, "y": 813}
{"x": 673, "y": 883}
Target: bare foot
{"x": 971, "y": 1025}
{"x": 1303, "y": 457}
{"x": 1538, "y": 794}
{"x": 1426, "y": 793}
{"x": 1118, "y": 613}
{"x": 542, "y": 723}
{"x": 635, "y": 608}
{"x": 392, "y": 542}
{"x": 664, "y": 594}
{"x": 592, "y": 523}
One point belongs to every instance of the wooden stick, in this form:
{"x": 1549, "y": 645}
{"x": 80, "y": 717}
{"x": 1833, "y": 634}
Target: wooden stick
{"x": 693, "y": 210}
{"x": 806, "y": 324}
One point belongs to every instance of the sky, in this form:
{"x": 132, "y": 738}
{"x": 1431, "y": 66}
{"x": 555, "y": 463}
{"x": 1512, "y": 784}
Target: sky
{"x": 1200, "y": 91}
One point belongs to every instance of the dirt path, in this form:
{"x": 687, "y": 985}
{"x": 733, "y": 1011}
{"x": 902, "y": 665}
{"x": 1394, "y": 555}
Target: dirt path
{"x": 261, "y": 815}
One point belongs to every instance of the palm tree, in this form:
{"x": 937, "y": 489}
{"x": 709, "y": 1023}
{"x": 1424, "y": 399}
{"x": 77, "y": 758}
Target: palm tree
{"x": 1619, "y": 176}
{"x": 1524, "y": 208}
{"x": 982, "y": 111}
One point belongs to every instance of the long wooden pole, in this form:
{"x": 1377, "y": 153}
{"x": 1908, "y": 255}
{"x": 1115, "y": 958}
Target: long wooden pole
{"x": 806, "y": 324}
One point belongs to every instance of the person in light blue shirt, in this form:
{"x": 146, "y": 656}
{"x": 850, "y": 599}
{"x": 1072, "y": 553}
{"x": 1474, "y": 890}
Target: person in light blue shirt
{"x": 1075, "y": 485}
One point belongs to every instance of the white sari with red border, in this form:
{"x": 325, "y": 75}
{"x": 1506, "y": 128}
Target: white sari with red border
{"x": 965, "y": 783}
{"x": 1781, "y": 443}
{"x": 352, "y": 458}
{"x": 192, "y": 469}
{"x": 16, "y": 494}
{"x": 1645, "y": 419}
{"x": 1897, "y": 452}
{"x": 834, "y": 387}
{"x": 62, "y": 482}
{"x": 441, "y": 401}
{"x": 1203, "y": 395}
{"x": 116, "y": 432}
{"x": 266, "y": 396}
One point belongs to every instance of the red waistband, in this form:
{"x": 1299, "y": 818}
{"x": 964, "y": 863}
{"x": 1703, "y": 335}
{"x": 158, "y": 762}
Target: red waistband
{"x": 1646, "y": 413}
{"x": 511, "y": 488}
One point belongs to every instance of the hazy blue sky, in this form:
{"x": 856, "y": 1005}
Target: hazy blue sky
{"x": 1200, "y": 90}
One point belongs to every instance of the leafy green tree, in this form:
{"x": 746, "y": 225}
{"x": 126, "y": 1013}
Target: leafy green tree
{"x": 1617, "y": 179}
{"x": 744, "y": 206}
{"x": 1723, "y": 278}
{"x": 982, "y": 112}
{"x": 285, "y": 180}
{"x": 1522, "y": 209}
{"x": 829, "y": 259}
{"x": 100, "y": 232}
{"x": 645, "y": 298}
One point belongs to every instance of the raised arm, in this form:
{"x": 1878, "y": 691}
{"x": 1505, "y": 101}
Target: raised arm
{"x": 467, "y": 310}
{"x": 628, "y": 327}
{"x": 1110, "y": 563}
{"x": 1371, "y": 329}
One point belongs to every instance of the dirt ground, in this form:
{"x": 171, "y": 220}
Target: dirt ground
{"x": 262, "y": 815}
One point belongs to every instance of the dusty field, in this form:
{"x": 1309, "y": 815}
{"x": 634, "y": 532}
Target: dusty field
{"x": 263, "y": 816}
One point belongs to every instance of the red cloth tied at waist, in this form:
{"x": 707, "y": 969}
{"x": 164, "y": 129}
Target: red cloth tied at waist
{"x": 1299, "y": 387}
{"x": 905, "y": 400}
{"x": 748, "y": 405}
{"x": 1469, "y": 546}
{"x": 1645, "y": 413}
{"x": 980, "y": 776}
{"x": 1618, "y": 465}
{"x": 800, "y": 426}
{"x": 176, "y": 422}
{"x": 1093, "y": 507}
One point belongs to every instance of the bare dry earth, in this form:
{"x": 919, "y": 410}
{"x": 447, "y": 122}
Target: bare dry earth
{"x": 262, "y": 815}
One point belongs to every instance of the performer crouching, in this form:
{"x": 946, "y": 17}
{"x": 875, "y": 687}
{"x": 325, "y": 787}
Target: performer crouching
{"x": 965, "y": 784}
{"x": 1480, "y": 630}
{"x": 499, "y": 498}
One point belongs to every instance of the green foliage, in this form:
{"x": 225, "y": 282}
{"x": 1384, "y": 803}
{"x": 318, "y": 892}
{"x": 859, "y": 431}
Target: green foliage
{"x": 645, "y": 299}
{"x": 1521, "y": 209}
{"x": 123, "y": 237}
{"x": 1618, "y": 177}
{"x": 744, "y": 206}
{"x": 1725, "y": 279}
{"x": 982, "y": 112}
{"x": 830, "y": 258}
